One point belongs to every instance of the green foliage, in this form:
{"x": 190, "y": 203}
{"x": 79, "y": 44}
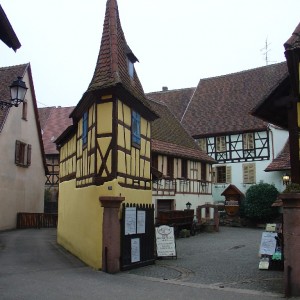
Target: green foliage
{"x": 258, "y": 202}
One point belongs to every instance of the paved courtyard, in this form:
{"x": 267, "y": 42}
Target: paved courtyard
{"x": 220, "y": 265}
{"x": 227, "y": 259}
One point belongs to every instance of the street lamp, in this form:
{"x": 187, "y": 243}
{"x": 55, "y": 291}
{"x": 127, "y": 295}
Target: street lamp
{"x": 286, "y": 179}
{"x": 188, "y": 205}
{"x": 18, "y": 90}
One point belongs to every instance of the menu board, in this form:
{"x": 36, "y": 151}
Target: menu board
{"x": 165, "y": 241}
{"x": 268, "y": 243}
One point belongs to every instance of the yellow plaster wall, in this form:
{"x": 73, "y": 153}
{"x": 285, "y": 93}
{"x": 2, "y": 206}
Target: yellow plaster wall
{"x": 80, "y": 219}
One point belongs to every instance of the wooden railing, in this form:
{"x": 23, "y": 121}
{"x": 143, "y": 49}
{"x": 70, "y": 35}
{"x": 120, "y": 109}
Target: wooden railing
{"x": 36, "y": 220}
{"x": 170, "y": 187}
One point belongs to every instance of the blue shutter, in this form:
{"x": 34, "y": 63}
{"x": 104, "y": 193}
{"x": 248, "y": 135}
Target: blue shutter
{"x": 84, "y": 128}
{"x": 136, "y": 128}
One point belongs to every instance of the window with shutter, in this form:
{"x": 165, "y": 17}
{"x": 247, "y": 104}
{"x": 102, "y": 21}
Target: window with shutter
{"x": 22, "y": 154}
{"x": 220, "y": 143}
{"x": 84, "y": 128}
{"x": 249, "y": 173}
{"x": 202, "y": 144}
{"x": 222, "y": 174}
{"x": 248, "y": 141}
{"x": 136, "y": 129}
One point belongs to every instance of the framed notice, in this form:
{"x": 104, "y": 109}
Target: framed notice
{"x": 135, "y": 250}
{"x": 141, "y": 221}
{"x": 130, "y": 220}
{"x": 165, "y": 241}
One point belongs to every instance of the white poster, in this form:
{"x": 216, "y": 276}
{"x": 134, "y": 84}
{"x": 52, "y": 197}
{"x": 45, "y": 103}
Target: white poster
{"x": 130, "y": 220}
{"x": 165, "y": 241}
{"x": 141, "y": 220}
{"x": 135, "y": 250}
{"x": 268, "y": 243}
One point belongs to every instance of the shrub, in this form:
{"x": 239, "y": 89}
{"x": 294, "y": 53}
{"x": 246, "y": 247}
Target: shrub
{"x": 258, "y": 202}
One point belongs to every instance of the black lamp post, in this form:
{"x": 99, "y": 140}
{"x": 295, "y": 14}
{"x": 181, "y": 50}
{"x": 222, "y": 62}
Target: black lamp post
{"x": 18, "y": 90}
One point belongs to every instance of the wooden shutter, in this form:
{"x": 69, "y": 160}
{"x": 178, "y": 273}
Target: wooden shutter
{"x": 228, "y": 174}
{"x": 28, "y": 155}
{"x": 17, "y": 152}
{"x": 202, "y": 144}
{"x": 221, "y": 143}
{"x": 248, "y": 140}
{"x": 249, "y": 173}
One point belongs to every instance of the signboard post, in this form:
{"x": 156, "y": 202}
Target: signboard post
{"x": 165, "y": 241}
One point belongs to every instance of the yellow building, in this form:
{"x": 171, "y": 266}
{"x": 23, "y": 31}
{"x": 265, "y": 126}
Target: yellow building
{"x": 105, "y": 154}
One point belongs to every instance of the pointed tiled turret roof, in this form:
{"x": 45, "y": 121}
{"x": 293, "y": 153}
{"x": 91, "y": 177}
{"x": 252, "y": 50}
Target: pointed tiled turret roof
{"x": 112, "y": 68}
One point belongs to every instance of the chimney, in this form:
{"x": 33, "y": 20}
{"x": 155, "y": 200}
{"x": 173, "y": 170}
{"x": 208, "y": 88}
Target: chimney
{"x": 164, "y": 88}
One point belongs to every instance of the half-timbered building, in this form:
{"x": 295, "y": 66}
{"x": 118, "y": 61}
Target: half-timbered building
{"x": 105, "y": 153}
{"x": 217, "y": 115}
{"x": 181, "y": 171}
{"x": 53, "y": 121}
{"x": 23, "y": 164}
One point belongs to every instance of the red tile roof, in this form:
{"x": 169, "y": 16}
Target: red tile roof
{"x": 282, "y": 161}
{"x": 170, "y": 138}
{"x": 222, "y": 105}
{"x": 7, "y": 76}
{"x": 112, "y": 67}
{"x": 54, "y": 120}
{"x": 176, "y": 100}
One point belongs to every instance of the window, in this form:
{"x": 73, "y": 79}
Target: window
{"x": 184, "y": 168}
{"x": 203, "y": 171}
{"x": 222, "y": 174}
{"x": 220, "y": 143}
{"x": 22, "y": 154}
{"x": 24, "y": 110}
{"x": 130, "y": 68}
{"x": 202, "y": 144}
{"x": 249, "y": 173}
{"x": 194, "y": 170}
{"x": 136, "y": 129}
{"x": 170, "y": 167}
{"x": 248, "y": 141}
{"x": 84, "y": 128}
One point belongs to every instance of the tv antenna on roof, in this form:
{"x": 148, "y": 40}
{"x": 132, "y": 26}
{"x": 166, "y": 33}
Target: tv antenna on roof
{"x": 266, "y": 51}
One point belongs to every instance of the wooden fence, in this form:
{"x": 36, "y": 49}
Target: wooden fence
{"x": 36, "y": 220}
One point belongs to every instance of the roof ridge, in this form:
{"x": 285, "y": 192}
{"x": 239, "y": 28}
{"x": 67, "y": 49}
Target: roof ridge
{"x": 156, "y": 92}
{"x": 14, "y": 66}
{"x": 241, "y": 72}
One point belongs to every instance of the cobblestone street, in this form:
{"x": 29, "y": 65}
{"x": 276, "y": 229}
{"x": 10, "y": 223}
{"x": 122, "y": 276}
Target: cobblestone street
{"x": 227, "y": 259}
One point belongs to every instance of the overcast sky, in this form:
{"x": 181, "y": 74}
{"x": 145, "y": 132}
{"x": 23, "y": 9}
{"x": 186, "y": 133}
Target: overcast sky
{"x": 177, "y": 42}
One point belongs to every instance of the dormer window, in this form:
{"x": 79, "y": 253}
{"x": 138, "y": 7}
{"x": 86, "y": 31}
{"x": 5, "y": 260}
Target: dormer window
{"x": 130, "y": 68}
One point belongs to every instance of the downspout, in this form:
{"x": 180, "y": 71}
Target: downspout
{"x": 272, "y": 140}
